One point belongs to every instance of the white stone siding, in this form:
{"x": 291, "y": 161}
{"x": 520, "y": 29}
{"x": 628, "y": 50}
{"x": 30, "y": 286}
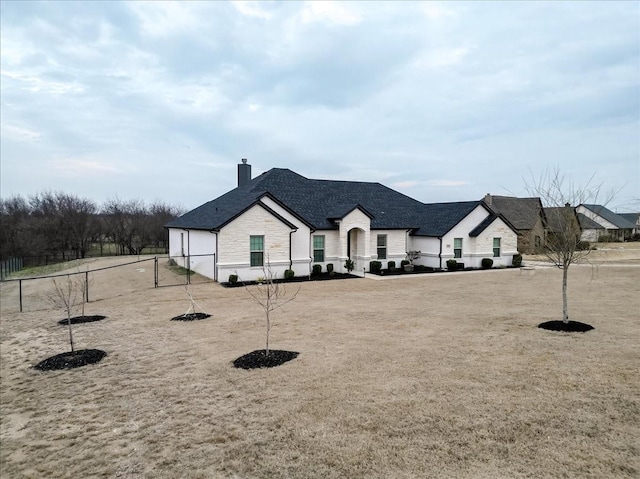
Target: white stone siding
{"x": 234, "y": 251}
{"x": 429, "y": 250}
{"x": 396, "y": 246}
{"x": 331, "y": 249}
{"x": 484, "y": 245}
{"x": 193, "y": 249}
{"x": 361, "y": 243}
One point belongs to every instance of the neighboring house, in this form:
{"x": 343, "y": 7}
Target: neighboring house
{"x": 563, "y": 226}
{"x": 292, "y": 222}
{"x": 616, "y": 226}
{"x": 634, "y": 219}
{"x": 527, "y": 217}
{"x": 591, "y": 231}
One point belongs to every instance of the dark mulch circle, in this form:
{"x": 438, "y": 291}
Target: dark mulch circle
{"x": 191, "y": 317}
{"x": 82, "y": 319}
{"x": 258, "y": 359}
{"x": 71, "y": 360}
{"x": 570, "y": 327}
{"x": 296, "y": 279}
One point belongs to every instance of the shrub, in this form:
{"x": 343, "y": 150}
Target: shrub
{"x": 583, "y": 246}
{"x": 605, "y": 238}
{"x": 452, "y": 264}
{"x": 391, "y": 265}
{"x": 317, "y": 269}
{"x": 289, "y": 274}
{"x": 375, "y": 266}
{"x": 233, "y": 278}
{"x": 349, "y": 265}
{"x": 517, "y": 260}
{"x": 487, "y": 263}
{"x": 421, "y": 267}
{"x": 330, "y": 268}
{"x": 404, "y": 262}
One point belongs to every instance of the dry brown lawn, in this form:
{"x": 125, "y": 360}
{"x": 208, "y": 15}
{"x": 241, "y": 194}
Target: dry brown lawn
{"x": 428, "y": 376}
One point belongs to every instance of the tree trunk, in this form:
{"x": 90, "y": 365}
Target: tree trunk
{"x": 268, "y": 330}
{"x": 565, "y": 306}
{"x": 70, "y": 332}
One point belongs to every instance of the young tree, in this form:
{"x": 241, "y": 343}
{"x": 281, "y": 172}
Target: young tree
{"x": 65, "y": 296}
{"x": 560, "y": 197}
{"x": 270, "y": 295}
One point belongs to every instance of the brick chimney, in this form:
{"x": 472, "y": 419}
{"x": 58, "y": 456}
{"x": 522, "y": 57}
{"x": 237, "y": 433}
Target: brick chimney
{"x": 488, "y": 200}
{"x": 244, "y": 173}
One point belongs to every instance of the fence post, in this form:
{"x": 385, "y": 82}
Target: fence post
{"x": 155, "y": 272}
{"x": 20, "y": 283}
{"x": 86, "y": 285}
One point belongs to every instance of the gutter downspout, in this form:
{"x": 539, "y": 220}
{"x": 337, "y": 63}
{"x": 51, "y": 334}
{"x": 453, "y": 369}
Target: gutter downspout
{"x": 215, "y": 259}
{"x": 440, "y": 253}
{"x": 291, "y": 248}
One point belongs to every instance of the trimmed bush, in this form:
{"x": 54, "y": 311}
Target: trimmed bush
{"x": 391, "y": 265}
{"x": 289, "y": 274}
{"x": 317, "y": 269}
{"x": 330, "y": 268}
{"x": 452, "y": 264}
{"x": 404, "y": 262}
{"x": 517, "y": 260}
{"x": 583, "y": 246}
{"x": 375, "y": 266}
{"x": 233, "y": 278}
{"x": 487, "y": 263}
{"x": 605, "y": 239}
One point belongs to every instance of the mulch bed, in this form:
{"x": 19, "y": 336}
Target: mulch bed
{"x": 297, "y": 279}
{"x": 71, "y": 360}
{"x": 82, "y": 319}
{"x": 190, "y": 317}
{"x": 570, "y": 327}
{"x": 259, "y": 359}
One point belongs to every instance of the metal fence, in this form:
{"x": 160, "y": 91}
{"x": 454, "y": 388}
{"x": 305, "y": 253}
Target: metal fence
{"x": 9, "y": 266}
{"x": 130, "y": 277}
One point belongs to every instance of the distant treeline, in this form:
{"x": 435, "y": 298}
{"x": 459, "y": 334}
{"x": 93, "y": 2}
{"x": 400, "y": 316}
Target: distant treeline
{"x": 59, "y": 226}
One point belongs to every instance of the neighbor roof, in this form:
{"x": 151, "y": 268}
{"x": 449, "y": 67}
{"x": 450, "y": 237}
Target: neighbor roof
{"x": 610, "y": 216}
{"x": 587, "y": 223}
{"x": 522, "y": 213}
{"x": 633, "y": 218}
{"x": 318, "y": 203}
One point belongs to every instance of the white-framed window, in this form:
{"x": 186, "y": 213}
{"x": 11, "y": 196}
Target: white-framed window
{"x": 457, "y": 247}
{"x": 318, "y": 248}
{"x": 382, "y": 246}
{"x": 256, "y": 247}
{"x": 496, "y": 247}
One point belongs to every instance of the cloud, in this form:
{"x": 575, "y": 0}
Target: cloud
{"x": 18, "y": 133}
{"x": 447, "y": 183}
{"x": 251, "y": 9}
{"x": 75, "y": 167}
{"x": 330, "y": 12}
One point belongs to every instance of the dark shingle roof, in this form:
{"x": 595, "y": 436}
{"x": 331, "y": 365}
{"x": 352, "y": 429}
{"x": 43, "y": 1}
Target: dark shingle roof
{"x": 587, "y": 223}
{"x": 318, "y": 202}
{"x": 522, "y": 213}
{"x": 633, "y": 218}
{"x": 610, "y": 216}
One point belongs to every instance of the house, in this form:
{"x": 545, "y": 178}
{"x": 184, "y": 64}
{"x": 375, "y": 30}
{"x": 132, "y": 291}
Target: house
{"x": 615, "y": 226}
{"x": 527, "y": 217}
{"x": 563, "y": 228}
{"x": 634, "y": 219}
{"x": 292, "y": 222}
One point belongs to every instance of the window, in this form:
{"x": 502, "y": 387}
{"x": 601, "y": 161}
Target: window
{"x": 382, "y": 246}
{"x": 457, "y": 247}
{"x": 496, "y": 247}
{"x": 257, "y": 250}
{"x": 318, "y": 249}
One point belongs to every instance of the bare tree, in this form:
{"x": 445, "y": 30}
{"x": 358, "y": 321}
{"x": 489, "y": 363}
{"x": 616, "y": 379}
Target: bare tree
{"x": 270, "y": 295}
{"x": 65, "y": 296}
{"x": 560, "y": 197}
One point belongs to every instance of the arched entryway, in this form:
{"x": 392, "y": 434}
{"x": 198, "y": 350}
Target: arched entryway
{"x": 356, "y": 249}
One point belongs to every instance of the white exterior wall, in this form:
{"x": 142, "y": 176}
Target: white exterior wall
{"x": 196, "y": 247}
{"x": 597, "y": 218}
{"x": 233, "y": 248}
{"x": 429, "y": 251}
{"x": 396, "y": 246}
{"x": 300, "y": 257}
{"x": 361, "y": 247}
{"x": 331, "y": 249}
{"x": 483, "y": 247}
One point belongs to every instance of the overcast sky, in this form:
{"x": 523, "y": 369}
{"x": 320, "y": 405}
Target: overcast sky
{"x": 441, "y": 101}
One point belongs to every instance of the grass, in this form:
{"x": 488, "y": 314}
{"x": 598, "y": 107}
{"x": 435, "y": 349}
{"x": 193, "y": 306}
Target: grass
{"x": 425, "y": 376}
